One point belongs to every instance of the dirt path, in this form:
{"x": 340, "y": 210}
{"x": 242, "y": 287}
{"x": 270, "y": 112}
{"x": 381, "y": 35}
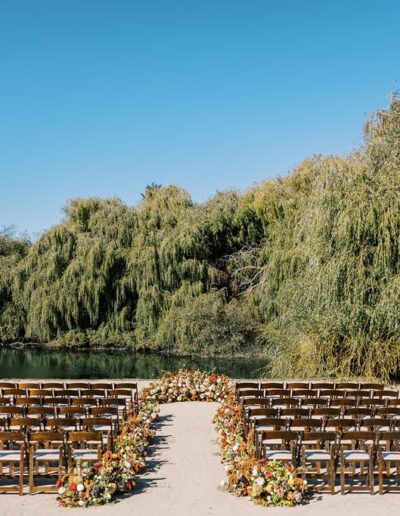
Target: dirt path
{"x": 183, "y": 476}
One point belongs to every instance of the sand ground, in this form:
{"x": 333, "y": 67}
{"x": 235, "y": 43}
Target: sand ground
{"x": 183, "y": 477}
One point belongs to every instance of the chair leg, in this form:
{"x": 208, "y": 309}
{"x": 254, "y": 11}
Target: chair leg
{"x": 31, "y": 472}
{"x": 380, "y": 474}
{"x": 371, "y": 475}
{"x": 342, "y": 490}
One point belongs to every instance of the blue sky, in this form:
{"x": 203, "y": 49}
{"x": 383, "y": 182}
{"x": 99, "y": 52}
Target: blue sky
{"x": 100, "y": 98}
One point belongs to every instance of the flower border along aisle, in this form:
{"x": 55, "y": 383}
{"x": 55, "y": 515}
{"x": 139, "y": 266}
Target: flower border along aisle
{"x": 267, "y": 482}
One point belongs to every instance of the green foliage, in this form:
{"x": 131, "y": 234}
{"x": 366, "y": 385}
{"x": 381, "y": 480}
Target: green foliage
{"x": 308, "y": 264}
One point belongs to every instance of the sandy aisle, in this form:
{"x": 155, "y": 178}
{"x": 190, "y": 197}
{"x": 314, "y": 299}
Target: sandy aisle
{"x": 183, "y": 477}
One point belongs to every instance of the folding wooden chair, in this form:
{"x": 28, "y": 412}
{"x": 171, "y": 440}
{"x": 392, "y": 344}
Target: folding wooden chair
{"x": 305, "y": 386}
{"x": 29, "y": 385}
{"x": 22, "y": 424}
{"x": 357, "y": 460}
{"x": 273, "y": 385}
{"x": 12, "y": 460}
{"x": 303, "y": 424}
{"x": 84, "y": 446}
{"x": 389, "y": 462}
{"x": 294, "y": 412}
{"x": 133, "y": 386}
{"x": 46, "y": 460}
{"x": 347, "y": 385}
{"x": 318, "y": 459}
{"x": 72, "y": 412}
{"x": 62, "y": 424}
{"x": 279, "y": 445}
{"x": 100, "y": 424}
{"x": 239, "y": 386}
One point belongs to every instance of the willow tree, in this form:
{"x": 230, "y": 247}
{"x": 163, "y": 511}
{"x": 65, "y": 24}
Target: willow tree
{"x": 331, "y": 283}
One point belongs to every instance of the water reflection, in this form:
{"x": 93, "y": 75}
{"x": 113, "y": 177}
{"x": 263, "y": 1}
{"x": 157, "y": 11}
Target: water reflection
{"x": 42, "y": 363}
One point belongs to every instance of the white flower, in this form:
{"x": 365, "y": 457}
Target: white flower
{"x": 254, "y": 472}
{"x": 61, "y": 491}
{"x": 81, "y": 503}
{"x": 260, "y": 481}
{"x": 127, "y": 465}
{"x": 80, "y": 487}
{"x": 227, "y": 468}
{"x": 235, "y": 447}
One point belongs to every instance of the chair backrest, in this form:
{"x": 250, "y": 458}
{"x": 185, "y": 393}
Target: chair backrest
{"x": 278, "y": 393}
{"x": 260, "y": 402}
{"x": 304, "y": 393}
{"x": 327, "y": 412}
{"x": 274, "y": 422}
{"x": 113, "y": 401}
{"x": 14, "y": 392}
{"x": 374, "y": 423}
{"x": 286, "y": 402}
{"x": 304, "y": 424}
{"x": 53, "y": 385}
{"x": 359, "y": 411}
{"x": 43, "y": 393}
{"x": 359, "y": 438}
{"x": 85, "y": 438}
{"x": 28, "y": 401}
{"x": 272, "y": 385}
{"x": 242, "y": 393}
{"x": 343, "y": 402}
{"x": 78, "y": 385}
{"x": 66, "y": 393}
{"x": 35, "y": 385}
{"x": 386, "y": 411}
{"x": 7, "y": 385}
{"x": 392, "y": 439}
{"x": 295, "y": 412}
{"x": 25, "y": 422}
{"x": 241, "y": 385}
{"x": 47, "y": 438}
{"x": 72, "y": 411}
{"x": 264, "y": 411}
{"x": 125, "y": 393}
{"x": 373, "y": 386}
{"x": 103, "y": 411}
{"x": 84, "y": 402}
{"x": 318, "y": 438}
{"x": 93, "y": 393}
{"x": 12, "y": 410}
{"x": 5, "y": 401}
{"x": 103, "y": 385}
{"x": 61, "y": 423}
{"x": 11, "y": 438}
{"x": 56, "y": 401}
{"x": 386, "y": 393}
{"x": 322, "y": 385}
{"x": 341, "y": 423}
{"x": 285, "y": 436}
{"x": 315, "y": 402}
{"x": 332, "y": 393}
{"x": 347, "y": 385}
{"x": 43, "y": 411}
{"x": 89, "y": 422}
{"x": 298, "y": 385}
{"x": 126, "y": 385}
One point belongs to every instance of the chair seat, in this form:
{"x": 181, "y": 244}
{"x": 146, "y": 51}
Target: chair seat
{"x": 391, "y": 455}
{"x": 10, "y": 455}
{"x": 355, "y": 455}
{"x": 272, "y": 442}
{"x": 47, "y": 454}
{"x": 87, "y": 454}
{"x": 278, "y": 454}
{"x": 314, "y": 455}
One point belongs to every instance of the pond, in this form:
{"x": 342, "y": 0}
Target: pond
{"x": 46, "y": 364}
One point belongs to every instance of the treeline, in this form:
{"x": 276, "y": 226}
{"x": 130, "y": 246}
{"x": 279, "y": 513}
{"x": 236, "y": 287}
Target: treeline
{"x": 305, "y": 269}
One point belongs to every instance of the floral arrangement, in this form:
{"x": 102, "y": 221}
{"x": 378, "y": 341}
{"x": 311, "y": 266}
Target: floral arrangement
{"x": 85, "y": 485}
{"x": 271, "y": 483}
{"x": 189, "y": 385}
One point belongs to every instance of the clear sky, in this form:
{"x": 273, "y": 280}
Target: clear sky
{"x": 100, "y": 98}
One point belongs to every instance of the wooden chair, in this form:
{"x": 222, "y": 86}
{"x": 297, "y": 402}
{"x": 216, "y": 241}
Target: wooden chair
{"x": 56, "y": 401}
{"x": 279, "y": 445}
{"x": 313, "y": 403}
{"x": 372, "y": 386}
{"x": 286, "y": 402}
{"x": 28, "y": 401}
{"x": 78, "y": 385}
{"x": 357, "y": 460}
{"x": 104, "y": 386}
{"x": 383, "y": 411}
{"x": 318, "y": 459}
{"x": 41, "y": 411}
{"x": 41, "y": 393}
{"x": 304, "y": 393}
{"x": 332, "y": 393}
{"x": 128, "y": 385}
{"x": 255, "y": 413}
{"x": 12, "y": 411}
{"x": 100, "y": 424}
{"x": 84, "y": 402}
{"x": 84, "y": 446}
{"x": 278, "y": 393}
{"x": 358, "y": 412}
{"x": 66, "y": 393}
{"x": 93, "y": 393}
{"x": 12, "y": 460}
{"x": 303, "y": 424}
{"x": 347, "y": 385}
{"x": 7, "y": 385}
{"x": 255, "y": 402}
{"x": 337, "y": 425}
{"x": 325, "y": 413}
{"x": 322, "y": 385}
{"x": 242, "y": 393}
{"x": 375, "y": 424}
{"x": 389, "y": 461}
{"x": 46, "y": 460}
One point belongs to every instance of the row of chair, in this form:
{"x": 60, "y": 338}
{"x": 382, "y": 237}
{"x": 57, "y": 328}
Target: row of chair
{"x": 350, "y": 431}
{"x": 45, "y": 455}
{"x": 317, "y": 385}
